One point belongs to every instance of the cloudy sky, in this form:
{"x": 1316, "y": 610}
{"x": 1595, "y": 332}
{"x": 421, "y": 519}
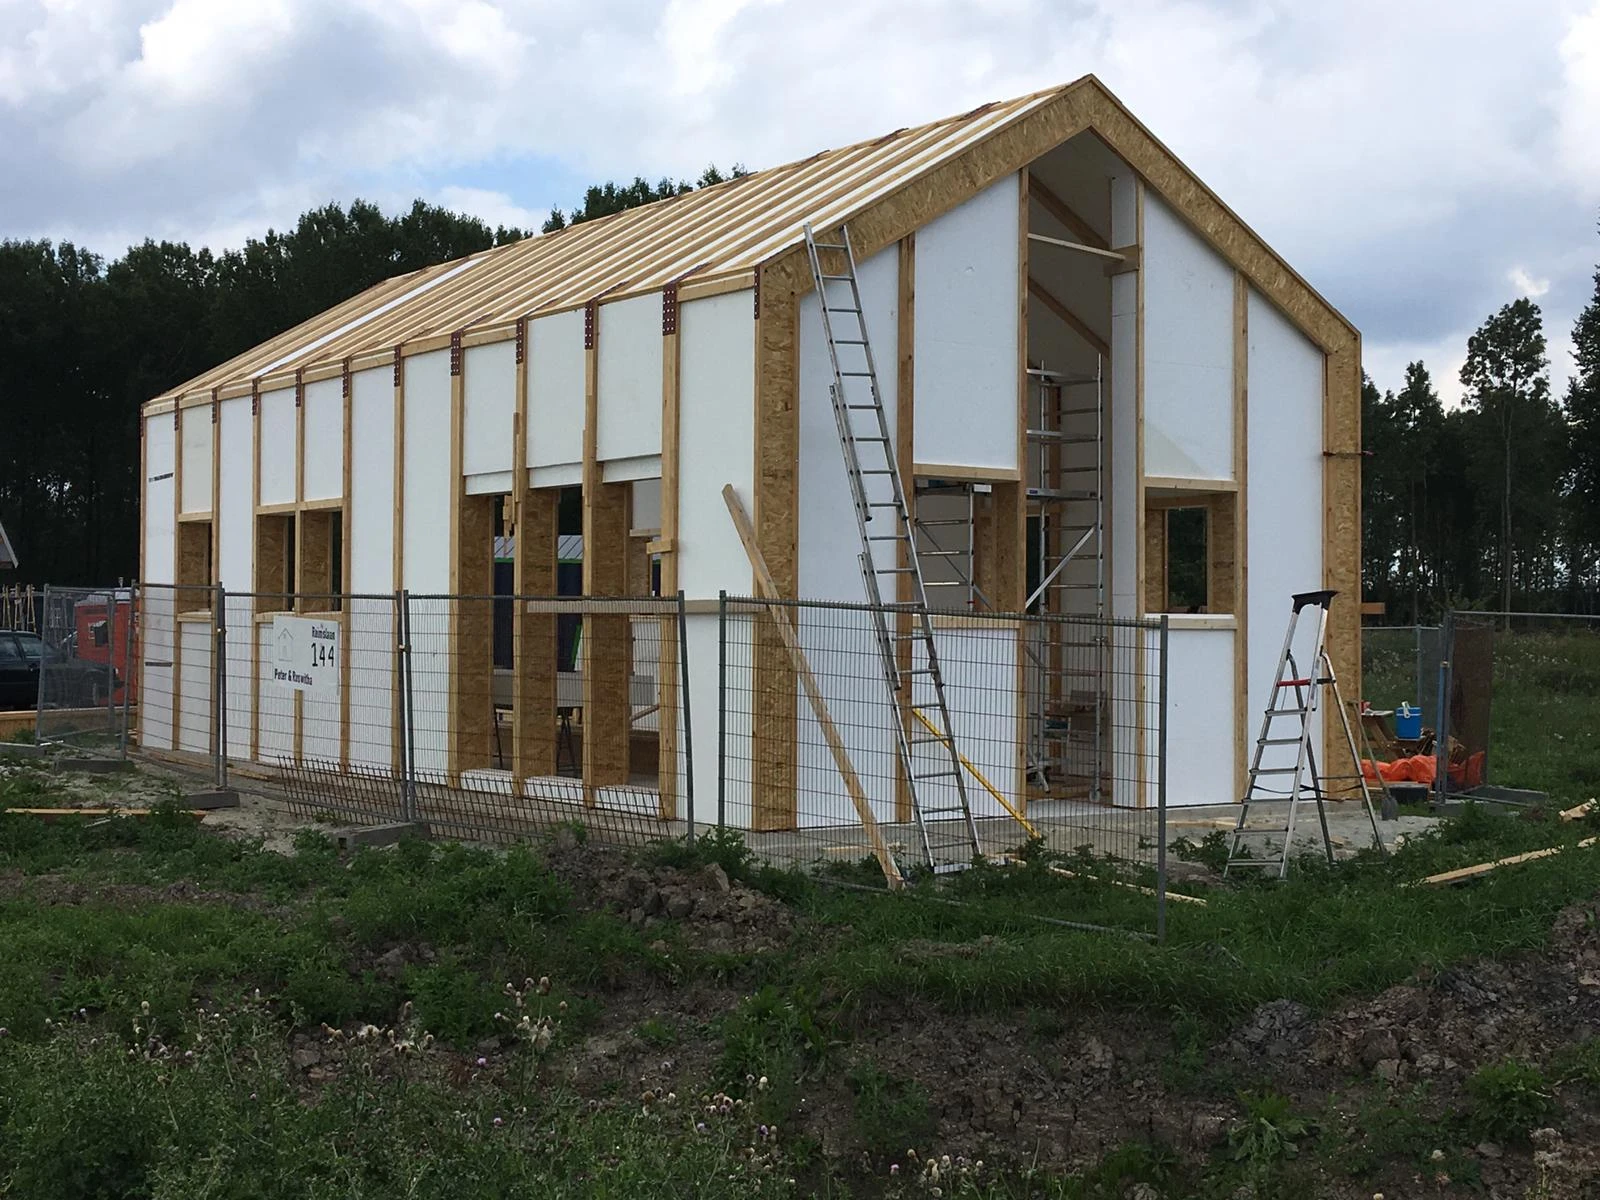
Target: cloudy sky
{"x": 1421, "y": 161}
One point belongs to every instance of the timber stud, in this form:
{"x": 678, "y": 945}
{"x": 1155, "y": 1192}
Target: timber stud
{"x": 216, "y": 403}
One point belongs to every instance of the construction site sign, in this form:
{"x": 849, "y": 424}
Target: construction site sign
{"x": 304, "y": 655}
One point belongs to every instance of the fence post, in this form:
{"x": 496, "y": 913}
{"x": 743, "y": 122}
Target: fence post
{"x": 722, "y": 710}
{"x": 44, "y": 671}
{"x": 1161, "y": 791}
{"x": 686, "y": 726}
{"x": 1441, "y": 745}
{"x": 219, "y": 682}
{"x": 408, "y": 783}
{"x": 127, "y": 666}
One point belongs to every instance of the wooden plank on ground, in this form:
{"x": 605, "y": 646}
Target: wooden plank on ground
{"x": 49, "y": 815}
{"x": 1461, "y": 874}
{"x": 1582, "y": 810}
{"x": 785, "y": 625}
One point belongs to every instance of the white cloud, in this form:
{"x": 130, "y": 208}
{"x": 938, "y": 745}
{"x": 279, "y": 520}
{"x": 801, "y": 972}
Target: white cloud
{"x": 1405, "y": 157}
{"x": 496, "y": 208}
{"x": 1526, "y": 284}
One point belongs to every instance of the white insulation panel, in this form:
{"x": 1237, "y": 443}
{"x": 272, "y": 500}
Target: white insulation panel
{"x": 1188, "y": 351}
{"x": 489, "y": 394}
{"x": 426, "y": 508}
{"x": 630, "y": 378}
{"x": 372, "y": 481}
{"x": 324, "y": 434}
{"x": 371, "y": 630}
{"x": 235, "y": 518}
{"x": 197, "y": 432}
{"x": 1284, "y": 513}
{"x": 716, "y": 440}
{"x": 160, "y": 526}
{"x": 555, "y": 389}
{"x": 967, "y": 329}
{"x": 278, "y": 483}
{"x": 1200, "y": 733}
{"x": 275, "y": 720}
{"x": 194, "y": 687}
{"x": 829, "y": 569}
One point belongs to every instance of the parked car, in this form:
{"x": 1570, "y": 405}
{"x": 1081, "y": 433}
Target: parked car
{"x": 73, "y": 682}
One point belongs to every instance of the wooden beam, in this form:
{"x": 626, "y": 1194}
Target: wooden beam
{"x": 905, "y": 454}
{"x": 668, "y": 672}
{"x": 1064, "y": 214}
{"x": 1081, "y": 247}
{"x": 1069, "y": 318}
{"x": 1241, "y": 531}
{"x": 1461, "y": 874}
{"x": 783, "y": 622}
{"x": 607, "y": 660}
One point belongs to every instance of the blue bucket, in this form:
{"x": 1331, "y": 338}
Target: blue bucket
{"x": 1408, "y": 722}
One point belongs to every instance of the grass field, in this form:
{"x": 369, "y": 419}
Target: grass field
{"x": 162, "y": 990}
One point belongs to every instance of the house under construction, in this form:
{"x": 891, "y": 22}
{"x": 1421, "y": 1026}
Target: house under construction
{"x": 1076, "y": 361}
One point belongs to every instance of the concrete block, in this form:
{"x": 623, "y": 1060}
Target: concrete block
{"x": 207, "y": 801}
{"x": 377, "y": 835}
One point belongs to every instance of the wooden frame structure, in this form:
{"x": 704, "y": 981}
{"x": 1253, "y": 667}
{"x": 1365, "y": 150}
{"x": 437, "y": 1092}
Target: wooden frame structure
{"x": 738, "y": 246}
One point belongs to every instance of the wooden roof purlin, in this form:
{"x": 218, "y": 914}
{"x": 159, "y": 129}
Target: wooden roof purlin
{"x": 721, "y": 237}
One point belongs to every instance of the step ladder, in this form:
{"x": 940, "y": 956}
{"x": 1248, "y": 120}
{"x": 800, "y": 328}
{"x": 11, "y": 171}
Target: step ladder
{"x": 1283, "y": 767}
{"x": 929, "y": 760}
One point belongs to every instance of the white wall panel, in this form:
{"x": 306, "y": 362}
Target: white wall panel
{"x": 716, "y": 440}
{"x": 194, "y": 687}
{"x": 489, "y": 393}
{"x": 1201, "y": 743}
{"x": 160, "y": 528}
{"x": 275, "y": 733}
{"x": 370, "y": 679}
{"x": 157, "y": 636}
{"x": 235, "y": 516}
{"x": 277, "y": 447}
{"x": 1284, "y": 512}
{"x": 1188, "y": 351}
{"x": 966, "y": 340}
{"x": 555, "y": 389}
{"x": 197, "y": 432}
{"x": 324, "y": 434}
{"x": 426, "y": 524}
{"x": 372, "y": 481}
{"x": 1123, "y": 517}
{"x": 828, "y": 567}
{"x": 630, "y": 378}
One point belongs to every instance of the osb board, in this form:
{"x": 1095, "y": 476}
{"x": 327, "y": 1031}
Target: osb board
{"x": 472, "y": 639}
{"x": 1341, "y": 538}
{"x": 534, "y": 638}
{"x": 607, "y": 640}
{"x": 776, "y": 518}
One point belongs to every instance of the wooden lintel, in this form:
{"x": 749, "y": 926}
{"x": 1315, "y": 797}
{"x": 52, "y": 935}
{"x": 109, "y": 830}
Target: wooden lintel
{"x": 1132, "y": 260}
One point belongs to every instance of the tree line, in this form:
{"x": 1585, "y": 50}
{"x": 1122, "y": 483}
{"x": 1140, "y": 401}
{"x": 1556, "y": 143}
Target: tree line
{"x": 84, "y": 341}
{"x": 1493, "y": 503}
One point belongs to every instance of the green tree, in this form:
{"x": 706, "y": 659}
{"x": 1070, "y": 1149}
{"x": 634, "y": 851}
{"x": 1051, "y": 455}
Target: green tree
{"x": 1583, "y": 421}
{"x": 604, "y": 199}
{"x": 1517, "y": 446}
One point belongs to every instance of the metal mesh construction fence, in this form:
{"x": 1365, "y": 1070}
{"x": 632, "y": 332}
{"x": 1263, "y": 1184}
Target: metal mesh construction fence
{"x": 86, "y": 647}
{"x": 1056, "y": 722}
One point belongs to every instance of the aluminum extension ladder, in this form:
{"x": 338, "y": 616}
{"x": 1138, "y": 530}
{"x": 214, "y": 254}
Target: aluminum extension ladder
{"x": 1289, "y": 722}
{"x": 927, "y": 750}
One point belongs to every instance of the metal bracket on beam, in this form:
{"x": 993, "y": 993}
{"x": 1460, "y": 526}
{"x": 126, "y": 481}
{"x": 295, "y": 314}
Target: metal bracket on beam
{"x": 669, "y": 310}
{"x": 455, "y": 353}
